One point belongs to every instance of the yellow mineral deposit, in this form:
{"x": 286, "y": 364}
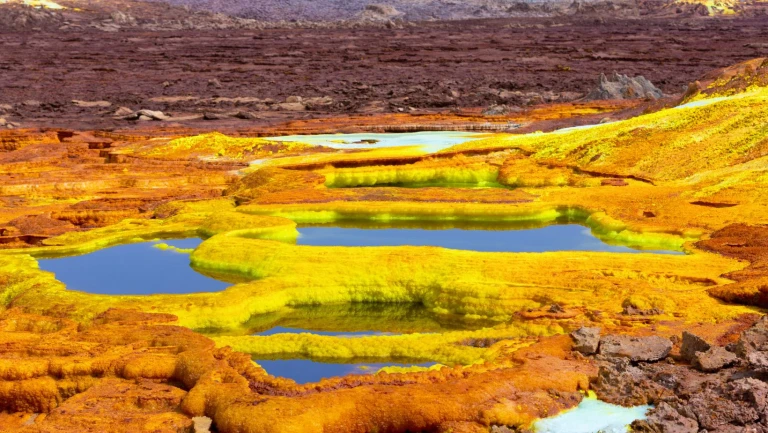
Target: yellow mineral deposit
{"x": 675, "y": 179}
{"x": 40, "y": 4}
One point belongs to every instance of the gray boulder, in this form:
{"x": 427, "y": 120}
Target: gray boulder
{"x": 692, "y": 344}
{"x": 497, "y": 110}
{"x": 635, "y": 349}
{"x": 586, "y": 340}
{"x": 623, "y": 87}
{"x": 147, "y": 115}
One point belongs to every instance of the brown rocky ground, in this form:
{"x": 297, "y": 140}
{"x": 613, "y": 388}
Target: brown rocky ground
{"x": 127, "y": 366}
{"x": 423, "y": 68}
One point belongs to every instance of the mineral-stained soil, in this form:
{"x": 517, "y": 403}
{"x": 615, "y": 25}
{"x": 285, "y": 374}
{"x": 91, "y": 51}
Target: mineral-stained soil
{"x": 75, "y": 177}
{"x": 423, "y": 67}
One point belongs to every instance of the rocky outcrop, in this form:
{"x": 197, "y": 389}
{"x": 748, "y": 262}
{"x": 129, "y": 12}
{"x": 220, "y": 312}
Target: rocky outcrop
{"x": 691, "y": 344}
{"x": 146, "y": 115}
{"x": 373, "y": 13}
{"x": 713, "y": 359}
{"x": 623, "y": 87}
{"x": 635, "y": 348}
{"x": 586, "y": 340}
{"x": 721, "y": 390}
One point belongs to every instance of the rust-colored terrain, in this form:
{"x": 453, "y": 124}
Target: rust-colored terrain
{"x": 83, "y": 169}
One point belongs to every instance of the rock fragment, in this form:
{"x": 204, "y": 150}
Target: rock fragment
{"x": 586, "y": 340}
{"x": 147, "y": 115}
{"x": 635, "y": 348}
{"x": 245, "y": 115}
{"x": 8, "y": 125}
{"x": 496, "y": 110}
{"x": 752, "y": 391}
{"x": 623, "y": 87}
{"x": 290, "y": 106}
{"x": 123, "y": 19}
{"x": 758, "y": 361}
{"x": 714, "y": 359}
{"x": 665, "y": 419}
{"x": 317, "y": 102}
{"x": 691, "y": 344}
{"x": 123, "y": 112}
{"x": 91, "y": 104}
{"x": 754, "y": 338}
{"x": 214, "y": 116}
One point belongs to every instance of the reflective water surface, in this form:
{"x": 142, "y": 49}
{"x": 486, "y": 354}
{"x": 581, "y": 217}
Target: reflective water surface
{"x": 306, "y": 371}
{"x": 570, "y": 237}
{"x": 133, "y": 269}
{"x": 142, "y": 268}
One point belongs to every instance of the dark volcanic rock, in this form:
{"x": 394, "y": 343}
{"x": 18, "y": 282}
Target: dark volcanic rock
{"x": 359, "y": 71}
{"x": 727, "y": 394}
{"x": 586, "y": 340}
{"x": 635, "y": 348}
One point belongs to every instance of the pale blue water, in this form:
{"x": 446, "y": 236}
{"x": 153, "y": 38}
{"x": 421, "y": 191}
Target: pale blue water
{"x": 133, "y": 269}
{"x": 592, "y": 416}
{"x": 569, "y": 237}
{"x": 306, "y": 371}
{"x": 430, "y": 142}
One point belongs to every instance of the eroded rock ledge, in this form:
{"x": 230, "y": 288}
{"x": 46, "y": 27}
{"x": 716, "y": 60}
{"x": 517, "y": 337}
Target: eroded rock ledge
{"x": 716, "y": 385}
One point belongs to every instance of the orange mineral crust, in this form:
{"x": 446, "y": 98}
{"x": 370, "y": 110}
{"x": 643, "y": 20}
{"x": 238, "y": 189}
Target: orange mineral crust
{"x": 678, "y": 175}
{"x": 131, "y": 371}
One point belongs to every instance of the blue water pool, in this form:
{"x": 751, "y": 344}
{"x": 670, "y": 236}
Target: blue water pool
{"x": 306, "y": 371}
{"x": 551, "y": 238}
{"x": 133, "y": 269}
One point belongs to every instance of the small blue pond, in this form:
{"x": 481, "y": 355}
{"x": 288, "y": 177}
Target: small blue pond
{"x": 135, "y": 269}
{"x": 551, "y": 238}
{"x": 285, "y": 330}
{"x": 306, "y": 371}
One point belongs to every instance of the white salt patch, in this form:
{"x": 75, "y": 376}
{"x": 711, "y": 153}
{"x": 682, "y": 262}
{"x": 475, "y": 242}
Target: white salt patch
{"x": 429, "y": 141}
